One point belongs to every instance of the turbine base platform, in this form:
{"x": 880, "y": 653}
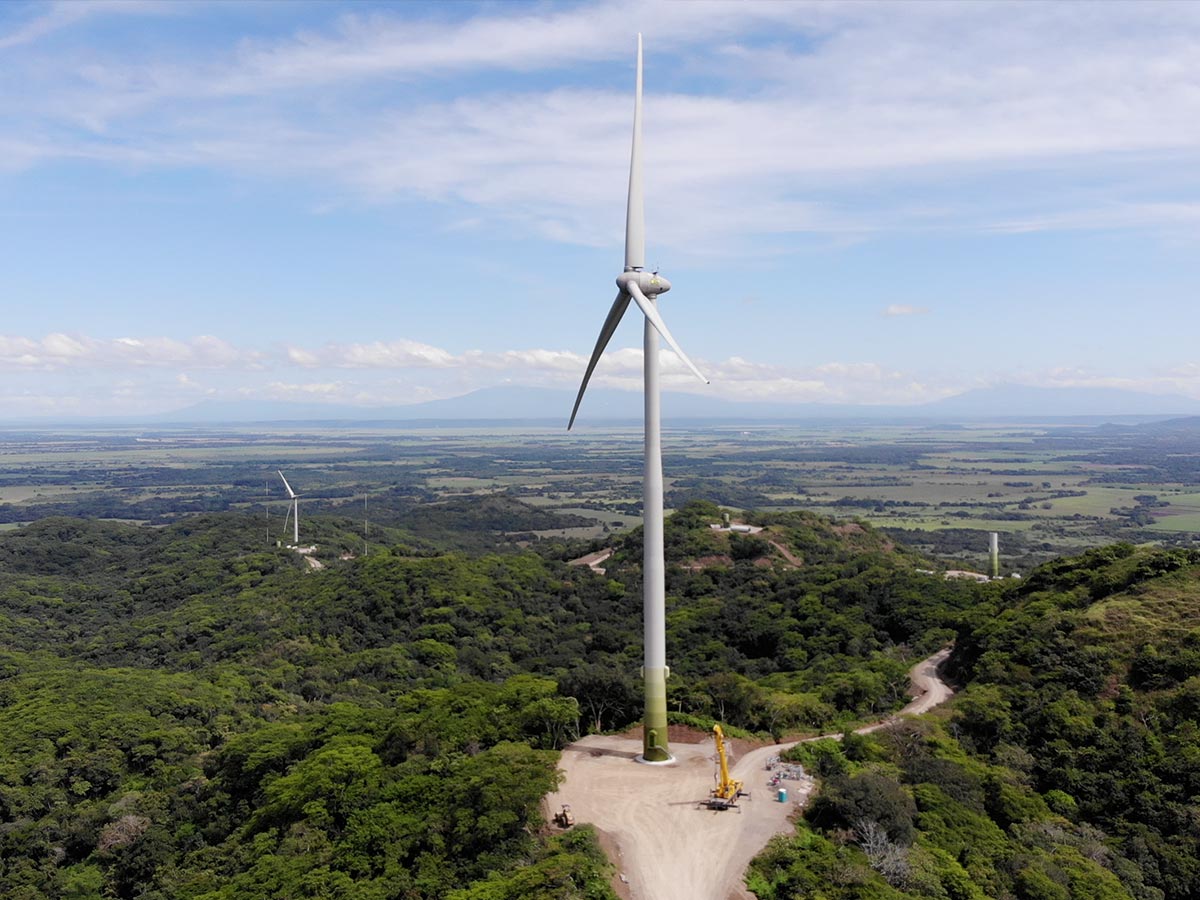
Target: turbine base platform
{"x": 642, "y": 761}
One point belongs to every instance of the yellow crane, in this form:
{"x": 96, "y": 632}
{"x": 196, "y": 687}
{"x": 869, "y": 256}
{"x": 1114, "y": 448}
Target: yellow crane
{"x": 725, "y": 795}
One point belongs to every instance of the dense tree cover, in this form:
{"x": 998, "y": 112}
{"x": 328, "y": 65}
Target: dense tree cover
{"x": 800, "y": 626}
{"x": 472, "y": 523}
{"x": 1155, "y": 453}
{"x": 1068, "y": 767}
{"x": 186, "y": 713}
{"x": 1092, "y": 668}
{"x": 907, "y": 813}
{"x": 742, "y": 632}
{"x": 145, "y": 784}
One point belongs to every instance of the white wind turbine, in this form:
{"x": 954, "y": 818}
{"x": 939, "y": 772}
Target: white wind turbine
{"x": 643, "y": 288}
{"x": 295, "y": 510}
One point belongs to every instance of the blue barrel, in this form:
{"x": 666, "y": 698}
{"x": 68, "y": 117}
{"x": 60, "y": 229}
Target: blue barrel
{"x": 782, "y": 795}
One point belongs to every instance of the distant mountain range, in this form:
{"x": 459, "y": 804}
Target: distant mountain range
{"x": 606, "y": 406}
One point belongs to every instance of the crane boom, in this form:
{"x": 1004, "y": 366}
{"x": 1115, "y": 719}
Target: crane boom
{"x": 727, "y": 791}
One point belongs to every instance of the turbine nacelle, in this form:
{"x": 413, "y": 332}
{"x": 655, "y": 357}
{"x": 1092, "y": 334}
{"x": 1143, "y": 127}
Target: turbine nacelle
{"x": 635, "y": 284}
{"x": 651, "y": 283}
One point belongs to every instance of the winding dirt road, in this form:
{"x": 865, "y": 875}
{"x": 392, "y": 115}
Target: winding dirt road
{"x": 665, "y": 845}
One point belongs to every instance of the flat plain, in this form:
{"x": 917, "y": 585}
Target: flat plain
{"x": 1047, "y": 488}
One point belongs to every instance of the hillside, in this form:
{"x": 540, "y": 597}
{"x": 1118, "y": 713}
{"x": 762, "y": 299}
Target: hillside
{"x": 1067, "y": 768}
{"x": 1096, "y": 667}
{"x": 188, "y": 714}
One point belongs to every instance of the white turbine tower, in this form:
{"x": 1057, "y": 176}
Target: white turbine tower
{"x": 643, "y": 288}
{"x": 295, "y": 511}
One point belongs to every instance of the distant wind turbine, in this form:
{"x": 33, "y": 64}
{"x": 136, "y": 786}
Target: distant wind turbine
{"x": 295, "y": 511}
{"x": 643, "y": 288}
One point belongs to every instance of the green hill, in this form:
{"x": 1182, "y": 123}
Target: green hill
{"x": 187, "y": 713}
{"x": 1068, "y": 767}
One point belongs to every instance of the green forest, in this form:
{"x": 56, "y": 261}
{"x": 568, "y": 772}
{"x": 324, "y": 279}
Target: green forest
{"x": 189, "y": 712}
{"x": 1068, "y": 767}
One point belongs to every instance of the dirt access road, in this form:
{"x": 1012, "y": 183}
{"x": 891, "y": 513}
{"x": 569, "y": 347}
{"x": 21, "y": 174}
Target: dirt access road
{"x": 665, "y": 845}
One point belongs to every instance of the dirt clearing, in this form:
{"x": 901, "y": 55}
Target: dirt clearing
{"x": 668, "y": 845}
{"x": 665, "y": 844}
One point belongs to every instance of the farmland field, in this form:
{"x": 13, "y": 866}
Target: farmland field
{"x": 1046, "y": 488}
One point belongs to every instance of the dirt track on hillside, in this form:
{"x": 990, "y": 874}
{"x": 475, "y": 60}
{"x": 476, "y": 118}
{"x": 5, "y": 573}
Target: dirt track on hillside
{"x": 664, "y": 843}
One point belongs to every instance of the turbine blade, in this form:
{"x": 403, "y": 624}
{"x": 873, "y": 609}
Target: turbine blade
{"x": 635, "y": 210}
{"x": 291, "y": 493}
{"x": 651, "y": 312}
{"x": 610, "y": 325}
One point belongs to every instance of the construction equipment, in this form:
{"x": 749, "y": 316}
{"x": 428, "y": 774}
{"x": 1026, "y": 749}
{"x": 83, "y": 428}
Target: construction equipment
{"x": 725, "y": 795}
{"x": 563, "y": 818}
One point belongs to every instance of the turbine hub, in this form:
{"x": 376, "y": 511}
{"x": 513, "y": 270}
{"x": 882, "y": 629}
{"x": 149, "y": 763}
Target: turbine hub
{"x": 651, "y": 283}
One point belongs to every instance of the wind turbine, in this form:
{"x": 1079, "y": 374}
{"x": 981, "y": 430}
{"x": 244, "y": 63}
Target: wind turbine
{"x": 643, "y": 288}
{"x": 295, "y": 511}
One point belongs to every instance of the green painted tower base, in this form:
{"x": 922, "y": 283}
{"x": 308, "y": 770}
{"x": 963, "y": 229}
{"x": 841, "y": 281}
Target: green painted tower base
{"x": 655, "y": 746}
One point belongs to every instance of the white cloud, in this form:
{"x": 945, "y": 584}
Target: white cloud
{"x": 63, "y": 351}
{"x": 44, "y": 404}
{"x": 405, "y": 371}
{"x": 362, "y": 47}
{"x": 62, "y": 373}
{"x": 1171, "y": 215}
{"x": 58, "y": 16}
{"x": 562, "y": 361}
{"x": 1180, "y": 379}
{"x": 63, "y": 348}
{"x": 282, "y": 390}
{"x": 378, "y": 354}
{"x": 904, "y": 309}
{"x": 862, "y": 105}
{"x": 300, "y": 357}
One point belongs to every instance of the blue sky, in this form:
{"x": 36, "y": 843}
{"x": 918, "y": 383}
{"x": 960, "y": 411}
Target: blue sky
{"x": 380, "y": 204}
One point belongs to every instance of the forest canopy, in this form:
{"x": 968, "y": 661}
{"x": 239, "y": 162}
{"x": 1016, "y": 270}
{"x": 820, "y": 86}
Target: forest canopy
{"x": 187, "y": 713}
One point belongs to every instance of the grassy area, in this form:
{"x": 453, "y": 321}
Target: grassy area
{"x": 938, "y": 523}
{"x": 1098, "y": 502}
{"x": 1189, "y": 521}
{"x": 24, "y": 492}
{"x": 1170, "y": 605}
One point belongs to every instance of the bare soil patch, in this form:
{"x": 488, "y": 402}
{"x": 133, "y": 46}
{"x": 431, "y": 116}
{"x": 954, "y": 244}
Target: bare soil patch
{"x": 706, "y": 562}
{"x": 657, "y": 832}
{"x": 787, "y": 554}
{"x": 668, "y": 845}
{"x": 848, "y": 528}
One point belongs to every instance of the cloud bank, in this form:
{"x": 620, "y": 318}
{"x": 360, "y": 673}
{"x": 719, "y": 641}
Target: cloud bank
{"x": 148, "y": 374}
{"x": 877, "y": 101}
